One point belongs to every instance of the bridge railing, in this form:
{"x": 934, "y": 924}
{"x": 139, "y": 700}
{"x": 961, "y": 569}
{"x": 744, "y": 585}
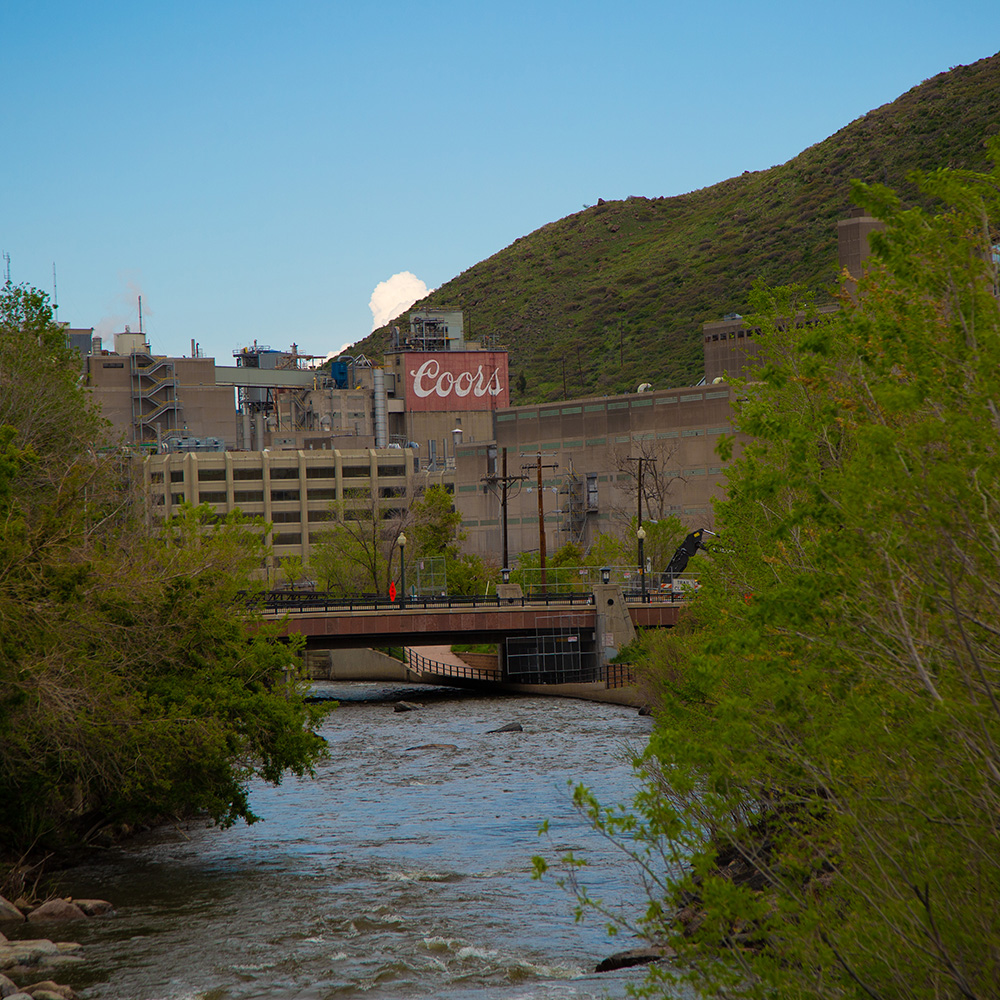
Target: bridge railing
{"x": 422, "y": 665}
{"x": 284, "y": 601}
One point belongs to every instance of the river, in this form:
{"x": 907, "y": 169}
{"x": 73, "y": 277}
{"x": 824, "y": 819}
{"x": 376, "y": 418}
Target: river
{"x": 395, "y": 873}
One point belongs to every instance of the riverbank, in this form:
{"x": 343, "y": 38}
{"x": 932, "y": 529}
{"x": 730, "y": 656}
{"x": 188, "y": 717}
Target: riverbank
{"x": 371, "y": 665}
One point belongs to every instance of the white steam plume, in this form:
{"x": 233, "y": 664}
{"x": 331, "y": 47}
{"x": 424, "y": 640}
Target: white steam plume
{"x": 394, "y": 296}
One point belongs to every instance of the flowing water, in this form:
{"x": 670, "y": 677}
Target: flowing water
{"x": 395, "y": 873}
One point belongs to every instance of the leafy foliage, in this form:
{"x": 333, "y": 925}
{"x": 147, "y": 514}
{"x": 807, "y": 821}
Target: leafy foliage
{"x": 615, "y": 295}
{"x": 821, "y": 808}
{"x": 129, "y": 689}
{"x": 437, "y": 531}
{"x": 359, "y": 552}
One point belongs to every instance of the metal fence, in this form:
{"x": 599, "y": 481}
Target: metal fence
{"x": 582, "y": 579}
{"x": 285, "y": 601}
{"x": 423, "y": 665}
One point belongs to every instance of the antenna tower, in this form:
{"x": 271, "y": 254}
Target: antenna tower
{"x": 55, "y": 293}
{"x": 6, "y": 262}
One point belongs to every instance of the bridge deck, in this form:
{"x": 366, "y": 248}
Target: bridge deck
{"x": 360, "y": 624}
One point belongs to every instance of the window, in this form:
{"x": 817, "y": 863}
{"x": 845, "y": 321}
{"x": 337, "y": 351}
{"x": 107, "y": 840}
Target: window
{"x": 211, "y": 475}
{"x": 283, "y": 473}
{"x": 392, "y": 470}
{"x": 322, "y": 494}
{"x": 320, "y": 472}
{"x": 177, "y": 476}
{"x": 248, "y": 473}
{"x": 214, "y": 497}
{"x": 282, "y": 496}
{"x": 156, "y": 478}
{"x": 285, "y": 517}
{"x": 248, "y": 496}
{"x": 287, "y": 538}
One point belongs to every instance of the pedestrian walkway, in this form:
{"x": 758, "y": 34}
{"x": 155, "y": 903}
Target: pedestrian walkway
{"x": 439, "y": 654}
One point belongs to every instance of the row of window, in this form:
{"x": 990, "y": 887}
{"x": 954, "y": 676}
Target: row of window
{"x": 279, "y": 496}
{"x": 312, "y": 472}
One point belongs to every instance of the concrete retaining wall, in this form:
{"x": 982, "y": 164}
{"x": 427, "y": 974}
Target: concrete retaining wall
{"x": 354, "y": 665}
{"x": 481, "y": 661}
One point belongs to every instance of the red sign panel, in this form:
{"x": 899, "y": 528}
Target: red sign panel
{"x": 456, "y": 380}
{"x": 392, "y": 591}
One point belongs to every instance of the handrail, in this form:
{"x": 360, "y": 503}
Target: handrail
{"x": 280, "y": 601}
{"x": 425, "y": 665}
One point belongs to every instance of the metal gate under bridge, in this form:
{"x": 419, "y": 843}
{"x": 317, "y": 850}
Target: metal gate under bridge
{"x": 563, "y": 650}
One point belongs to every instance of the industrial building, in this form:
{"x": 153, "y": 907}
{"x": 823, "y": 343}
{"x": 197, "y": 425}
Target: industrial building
{"x": 592, "y": 452}
{"x": 276, "y": 436}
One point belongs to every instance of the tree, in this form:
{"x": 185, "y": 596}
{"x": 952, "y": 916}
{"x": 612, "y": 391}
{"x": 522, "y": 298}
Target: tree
{"x": 659, "y": 474}
{"x": 435, "y": 524}
{"x": 821, "y": 808}
{"x": 436, "y": 529}
{"x": 132, "y": 685}
{"x": 357, "y": 555}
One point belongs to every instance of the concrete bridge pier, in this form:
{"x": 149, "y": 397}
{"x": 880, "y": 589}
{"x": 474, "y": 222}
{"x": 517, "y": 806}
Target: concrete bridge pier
{"x": 614, "y": 623}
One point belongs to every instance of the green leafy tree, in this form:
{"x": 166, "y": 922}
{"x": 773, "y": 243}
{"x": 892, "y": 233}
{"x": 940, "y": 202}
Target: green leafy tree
{"x": 132, "y": 685}
{"x": 436, "y": 529}
{"x": 360, "y": 552}
{"x": 822, "y": 792}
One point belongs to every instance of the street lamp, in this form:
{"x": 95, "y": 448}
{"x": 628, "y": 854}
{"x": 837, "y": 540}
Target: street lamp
{"x": 505, "y": 573}
{"x": 401, "y": 542}
{"x": 605, "y": 574}
{"x": 641, "y": 535}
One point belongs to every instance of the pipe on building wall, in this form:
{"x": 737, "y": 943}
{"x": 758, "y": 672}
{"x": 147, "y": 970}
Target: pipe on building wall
{"x": 381, "y": 409}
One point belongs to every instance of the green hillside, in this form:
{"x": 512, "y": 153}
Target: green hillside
{"x": 616, "y": 294}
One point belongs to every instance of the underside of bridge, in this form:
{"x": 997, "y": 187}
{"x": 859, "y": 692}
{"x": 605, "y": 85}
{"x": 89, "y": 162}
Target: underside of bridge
{"x": 549, "y": 644}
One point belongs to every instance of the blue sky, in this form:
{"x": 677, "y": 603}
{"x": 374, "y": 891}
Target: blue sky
{"x": 255, "y": 170}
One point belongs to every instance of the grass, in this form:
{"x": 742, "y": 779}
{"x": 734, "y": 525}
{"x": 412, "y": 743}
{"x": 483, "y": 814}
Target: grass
{"x": 615, "y": 295}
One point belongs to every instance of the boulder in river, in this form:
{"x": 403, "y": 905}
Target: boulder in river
{"x": 95, "y": 907}
{"x": 9, "y": 912}
{"x": 513, "y": 727}
{"x": 635, "y": 956}
{"x": 49, "y": 990}
{"x": 57, "y": 909}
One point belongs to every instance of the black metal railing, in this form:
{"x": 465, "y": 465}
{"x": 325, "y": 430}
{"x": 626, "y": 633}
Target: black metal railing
{"x": 619, "y": 675}
{"x": 284, "y": 601}
{"x": 422, "y": 665}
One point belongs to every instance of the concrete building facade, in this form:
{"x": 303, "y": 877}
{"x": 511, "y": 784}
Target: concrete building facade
{"x": 590, "y": 451}
{"x": 298, "y": 492}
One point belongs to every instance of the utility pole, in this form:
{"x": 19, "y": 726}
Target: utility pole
{"x": 640, "y": 534}
{"x": 541, "y": 517}
{"x": 505, "y": 482}
{"x": 638, "y": 492}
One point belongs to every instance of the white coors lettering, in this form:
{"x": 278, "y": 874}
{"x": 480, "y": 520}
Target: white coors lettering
{"x": 429, "y": 380}
{"x": 430, "y": 372}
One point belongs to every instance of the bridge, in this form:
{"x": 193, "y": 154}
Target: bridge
{"x": 548, "y": 638}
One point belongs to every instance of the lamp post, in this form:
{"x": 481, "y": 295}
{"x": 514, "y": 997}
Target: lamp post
{"x": 401, "y": 542}
{"x": 505, "y": 573}
{"x": 641, "y": 535}
{"x": 456, "y": 438}
{"x": 605, "y": 574}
